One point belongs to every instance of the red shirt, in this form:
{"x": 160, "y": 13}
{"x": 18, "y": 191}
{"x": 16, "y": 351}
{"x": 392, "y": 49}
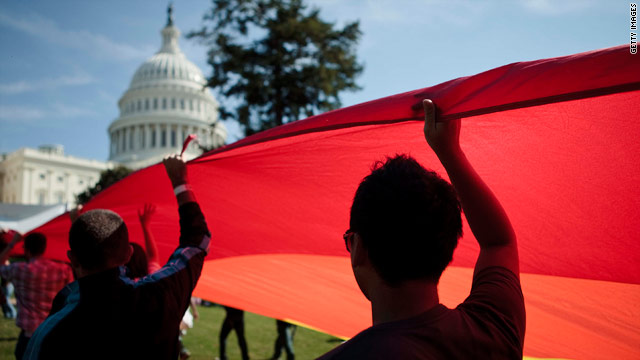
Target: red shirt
{"x": 36, "y": 283}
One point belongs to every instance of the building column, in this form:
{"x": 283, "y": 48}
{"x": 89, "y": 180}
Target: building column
{"x": 179, "y": 135}
{"x": 67, "y": 191}
{"x": 134, "y": 133}
{"x": 48, "y": 197}
{"x": 147, "y": 136}
{"x": 122, "y": 139}
{"x": 110, "y": 144}
{"x": 127, "y": 132}
{"x": 29, "y": 185}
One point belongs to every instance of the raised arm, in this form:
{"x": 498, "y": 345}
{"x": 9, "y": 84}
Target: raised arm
{"x": 4, "y": 255}
{"x": 486, "y": 217}
{"x": 193, "y": 228}
{"x": 177, "y": 172}
{"x": 150, "y": 247}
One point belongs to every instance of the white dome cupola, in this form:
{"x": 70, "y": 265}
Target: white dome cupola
{"x": 166, "y": 100}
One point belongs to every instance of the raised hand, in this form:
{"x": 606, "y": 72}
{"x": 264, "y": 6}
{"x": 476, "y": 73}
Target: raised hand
{"x": 443, "y": 137}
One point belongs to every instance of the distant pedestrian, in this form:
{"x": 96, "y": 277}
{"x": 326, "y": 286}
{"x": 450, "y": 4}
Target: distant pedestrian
{"x": 233, "y": 321}
{"x": 286, "y": 331}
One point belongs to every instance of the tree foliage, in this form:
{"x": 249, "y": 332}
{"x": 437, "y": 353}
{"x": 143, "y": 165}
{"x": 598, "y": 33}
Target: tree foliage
{"x": 275, "y": 61}
{"x": 107, "y": 178}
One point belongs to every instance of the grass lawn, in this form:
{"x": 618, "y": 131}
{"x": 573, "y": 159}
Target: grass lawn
{"x": 202, "y": 340}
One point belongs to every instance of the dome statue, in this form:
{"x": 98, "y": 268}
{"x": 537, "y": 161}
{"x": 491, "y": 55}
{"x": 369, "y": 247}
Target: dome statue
{"x": 166, "y": 101}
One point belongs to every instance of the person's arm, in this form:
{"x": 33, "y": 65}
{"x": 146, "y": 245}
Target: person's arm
{"x": 177, "y": 171}
{"x": 150, "y": 247}
{"x": 486, "y": 217}
{"x": 4, "y": 255}
{"x": 194, "y": 309}
{"x": 75, "y": 213}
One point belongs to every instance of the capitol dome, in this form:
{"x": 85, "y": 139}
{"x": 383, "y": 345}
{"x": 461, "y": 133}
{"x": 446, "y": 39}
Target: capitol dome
{"x": 166, "y": 101}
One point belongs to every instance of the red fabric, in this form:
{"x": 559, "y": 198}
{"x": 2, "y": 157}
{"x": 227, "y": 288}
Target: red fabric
{"x": 556, "y": 139}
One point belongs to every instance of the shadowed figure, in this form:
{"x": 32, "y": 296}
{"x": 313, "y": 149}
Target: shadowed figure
{"x": 404, "y": 226}
{"x": 233, "y": 321}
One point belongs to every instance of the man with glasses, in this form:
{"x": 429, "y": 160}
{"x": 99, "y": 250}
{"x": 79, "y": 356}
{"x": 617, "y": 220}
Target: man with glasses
{"x": 405, "y": 224}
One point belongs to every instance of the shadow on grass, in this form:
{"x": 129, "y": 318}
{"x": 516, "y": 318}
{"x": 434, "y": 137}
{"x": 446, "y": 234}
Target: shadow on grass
{"x": 335, "y": 340}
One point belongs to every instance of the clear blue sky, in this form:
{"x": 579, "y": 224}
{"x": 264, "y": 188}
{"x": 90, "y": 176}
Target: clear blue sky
{"x": 64, "y": 64}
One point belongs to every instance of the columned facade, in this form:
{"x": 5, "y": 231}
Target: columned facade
{"x": 166, "y": 101}
{"x": 46, "y": 176}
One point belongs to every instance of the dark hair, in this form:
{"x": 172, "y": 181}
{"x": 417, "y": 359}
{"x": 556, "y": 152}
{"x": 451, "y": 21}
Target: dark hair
{"x": 408, "y": 218}
{"x": 137, "y": 266}
{"x": 36, "y": 243}
{"x": 99, "y": 239}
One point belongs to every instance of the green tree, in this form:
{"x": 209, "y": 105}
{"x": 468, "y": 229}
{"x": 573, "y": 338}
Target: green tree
{"x": 275, "y": 61}
{"x": 107, "y": 178}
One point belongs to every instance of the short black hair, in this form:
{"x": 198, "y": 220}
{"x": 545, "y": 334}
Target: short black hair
{"x": 98, "y": 239}
{"x": 409, "y": 220}
{"x": 36, "y": 243}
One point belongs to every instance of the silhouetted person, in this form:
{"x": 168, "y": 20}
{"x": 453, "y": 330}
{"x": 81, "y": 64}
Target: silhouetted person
{"x": 106, "y": 315}
{"x": 233, "y": 321}
{"x": 404, "y": 226}
{"x": 284, "y": 340}
{"x": 36, "y": 282}
{"x": 6, "y": 287}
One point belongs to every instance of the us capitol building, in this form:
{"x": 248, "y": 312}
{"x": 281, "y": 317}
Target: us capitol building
{"x": 167, "y": 100}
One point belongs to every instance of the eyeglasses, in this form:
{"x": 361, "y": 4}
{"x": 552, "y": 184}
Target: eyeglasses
{"x": 348, "y": 238}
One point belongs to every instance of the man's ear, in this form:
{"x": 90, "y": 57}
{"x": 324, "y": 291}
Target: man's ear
{"x": 359, "y": 254}
{"x": 361, "y": 265}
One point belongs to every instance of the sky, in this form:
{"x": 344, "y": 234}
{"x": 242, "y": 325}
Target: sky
{"x": 65, "y": 64}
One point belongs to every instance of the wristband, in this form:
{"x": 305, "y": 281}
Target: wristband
{"x": 182, "y": 188}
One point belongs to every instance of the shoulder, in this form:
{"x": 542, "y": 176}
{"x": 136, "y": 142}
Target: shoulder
{"x": 496, "y": 299}
{"x": 359, "y": 347}
{"x": 496, "y": 285}
{"x": 9, "y": 271}
{"x": 56, "y": 266}
{"x": 390, "y": 341}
